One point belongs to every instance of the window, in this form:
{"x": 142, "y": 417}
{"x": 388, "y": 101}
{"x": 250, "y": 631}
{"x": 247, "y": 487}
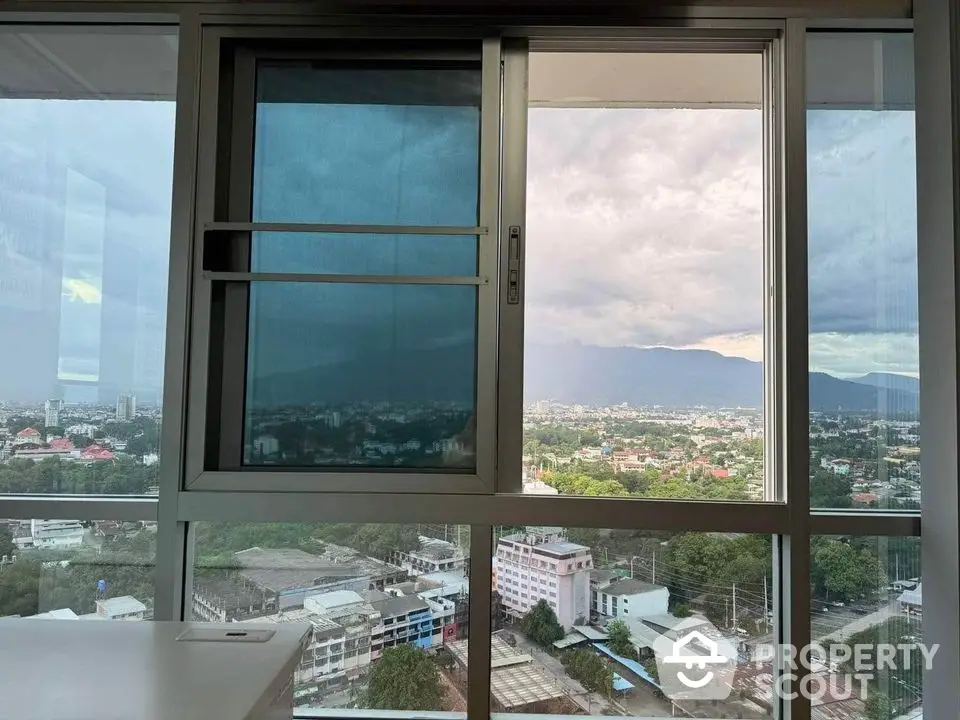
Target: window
{"x": 868, "y": 592}
{"x": 415, "y": 280}
{"x": 339, "y": 578}
{"x": 723, "y": 582}
{"x": 69, "y": 569}
{"x": 643, "y": 376}
{"x": 85, "y": 189}
{"x": 864, "y": 356}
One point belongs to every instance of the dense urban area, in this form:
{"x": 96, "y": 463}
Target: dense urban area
{"x": 576, "y": 611}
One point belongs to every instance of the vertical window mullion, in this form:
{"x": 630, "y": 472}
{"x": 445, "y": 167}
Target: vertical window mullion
{"x": 795, "y": 558}
{"x": 486, "y": 367}
{"x": 513, "y": 222}
{"x": 481, "y": 595}
{"x": 169, "y": 591}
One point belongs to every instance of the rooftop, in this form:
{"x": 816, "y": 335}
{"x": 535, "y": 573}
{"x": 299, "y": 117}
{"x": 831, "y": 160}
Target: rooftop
{"x": 628, "y": 586}
{"x": 123, "y": 605}
{"x": 394, "y": 606}
{"x": 515, "y": 680}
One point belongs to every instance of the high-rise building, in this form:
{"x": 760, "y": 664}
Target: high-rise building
{"x": 538, "y": 564}
{"x": 126, "y": 407}
{"x": 51, "y": 413}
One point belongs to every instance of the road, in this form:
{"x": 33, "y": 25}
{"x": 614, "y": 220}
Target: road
{"x": 838, "y": 626}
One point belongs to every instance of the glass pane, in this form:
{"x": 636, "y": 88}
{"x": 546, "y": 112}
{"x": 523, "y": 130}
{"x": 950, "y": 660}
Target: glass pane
{"x": 388, "y": 144}
{"x": 67, "y": 569}
{"x": 864, "y": 353}
{"x": 352, "y": 254}
{"x": 867, "y": 594}
{"x": 85, "y": 186}
{"x": 588, "y": 618}
{"x": 343, "y": 375}
{"x": 644, "y": 315}
{"x": 384, "y": 600}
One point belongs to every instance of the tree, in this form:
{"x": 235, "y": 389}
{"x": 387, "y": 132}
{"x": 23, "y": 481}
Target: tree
{"x": 618, "y": 639}
{"x": 682, "y": 611}
{"x": 878, "y": 706}
{"x": 589, "y": 670}
{"x": 7, "y": 546}
{"x": 540, "y": 624}
{"x": 840, "y": 572}
{"x": 405, "y": 678}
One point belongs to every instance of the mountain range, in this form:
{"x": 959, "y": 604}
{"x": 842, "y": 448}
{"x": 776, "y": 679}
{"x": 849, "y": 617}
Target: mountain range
{"x": 591, "y": 375}
{"x": 578, "y": 374}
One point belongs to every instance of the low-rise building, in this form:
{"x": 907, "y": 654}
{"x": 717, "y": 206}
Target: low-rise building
{"x": 124, "y": 607}
{"x": 49, "y": 534}
{"x": 629, "y": 598}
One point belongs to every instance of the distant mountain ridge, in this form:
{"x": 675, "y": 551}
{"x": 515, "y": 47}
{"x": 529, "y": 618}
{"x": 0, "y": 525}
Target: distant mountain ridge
{"x": 592, "y": 375}
{"x": 576, "y": 374}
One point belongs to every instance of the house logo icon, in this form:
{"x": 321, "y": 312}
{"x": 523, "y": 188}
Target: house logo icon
{"x": 692, "y": 661}
{"x": 695, "y": 661}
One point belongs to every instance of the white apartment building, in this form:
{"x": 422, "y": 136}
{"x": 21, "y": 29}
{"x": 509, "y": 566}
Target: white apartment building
{"x": 126, "y": 407}
{"x": 50, "y": 535}
{"x": 627, "y": 598}
{"x": 51, "y": 413}
{"x": 539, "y": 564}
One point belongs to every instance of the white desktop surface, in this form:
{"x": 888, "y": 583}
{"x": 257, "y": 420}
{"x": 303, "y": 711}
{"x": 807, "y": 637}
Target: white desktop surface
{"x": 116, "y": 670}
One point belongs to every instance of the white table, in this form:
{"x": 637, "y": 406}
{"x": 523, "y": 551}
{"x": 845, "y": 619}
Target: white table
{"x": 116, "y": 670}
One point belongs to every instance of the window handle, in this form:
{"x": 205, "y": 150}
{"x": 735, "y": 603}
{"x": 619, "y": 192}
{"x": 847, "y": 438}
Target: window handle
{"x": 513, "y": 266}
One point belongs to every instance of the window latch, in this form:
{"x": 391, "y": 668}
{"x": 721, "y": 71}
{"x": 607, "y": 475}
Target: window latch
{"x": 513, "y": 266}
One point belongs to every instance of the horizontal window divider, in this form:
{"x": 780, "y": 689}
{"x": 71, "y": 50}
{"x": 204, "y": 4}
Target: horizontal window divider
{"x": 348, "y": 229}
{"x": 78, "y": 507}
{"x": 364, "y": 482}
{"x": 249, "y": 277}
{"x": 473, "y": 509}
{"x": 864, "y": 522}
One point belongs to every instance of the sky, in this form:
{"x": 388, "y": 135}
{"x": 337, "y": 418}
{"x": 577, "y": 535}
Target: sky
{"x": 645, "y": 228}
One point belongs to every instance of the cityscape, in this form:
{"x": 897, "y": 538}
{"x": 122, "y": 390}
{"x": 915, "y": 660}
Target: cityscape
{"x": 389, "y": 596}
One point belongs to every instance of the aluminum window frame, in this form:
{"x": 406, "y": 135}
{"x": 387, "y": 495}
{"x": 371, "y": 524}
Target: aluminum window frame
{"x": 181, "y": 504}
{"x": 224, "y": 434}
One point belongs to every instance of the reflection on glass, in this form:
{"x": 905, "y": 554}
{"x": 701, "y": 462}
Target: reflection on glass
{"x": 385, "y": 601}
{"x": 85, "y": 190}
{"x": 867, "y": 592}
{"x": 644, "y": 315}
{"x": 67, "y": 569}
{"x": 82, "y": 294}
{"x": 864, "y": 352}
{"x": 345, "y": 375}
{"x": 587, "y": 614}
{"x": 355, "y": 254}
{"x": 367, "y": 145}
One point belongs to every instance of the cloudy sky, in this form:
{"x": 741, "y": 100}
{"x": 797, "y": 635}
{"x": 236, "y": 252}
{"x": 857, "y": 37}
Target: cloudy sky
{"x": 645, "y": 228}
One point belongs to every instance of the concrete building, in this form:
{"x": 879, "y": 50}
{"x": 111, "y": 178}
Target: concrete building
{"x": 628, "y": 598}
{"x": 432, "y": 556}
{"x": 269, "y": 580}
{"x": 49, "y": 534}
{"x": 124, "y": 607}
{"x": 539, "y": 565}
{"x": 51, "y": 413}
{"x": 126, "y": 407}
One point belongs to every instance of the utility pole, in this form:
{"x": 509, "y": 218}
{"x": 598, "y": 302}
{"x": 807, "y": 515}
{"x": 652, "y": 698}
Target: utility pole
{"x": 735, "y": 605}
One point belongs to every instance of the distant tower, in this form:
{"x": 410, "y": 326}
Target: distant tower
{"x": 126, "y": 407}
{"x": 51, "y": 413}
